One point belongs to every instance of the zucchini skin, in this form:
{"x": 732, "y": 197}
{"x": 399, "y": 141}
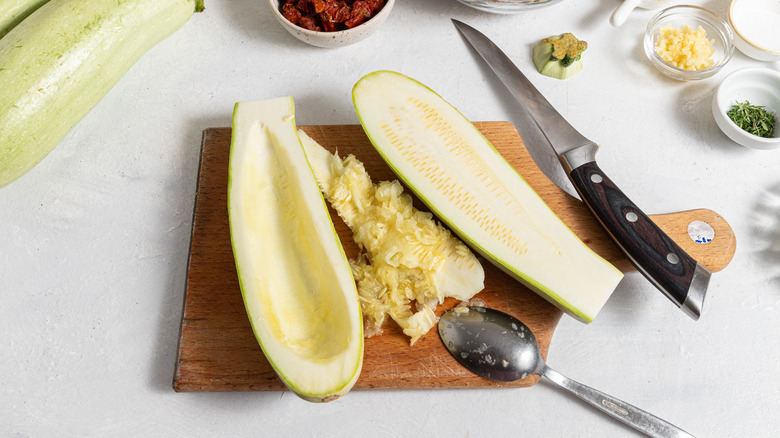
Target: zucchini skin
{"x": 59, "y": 63}
{"x": 12, "y": 12}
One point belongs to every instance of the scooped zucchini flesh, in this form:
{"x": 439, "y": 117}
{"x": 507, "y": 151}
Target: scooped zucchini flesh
{"x": 468, "y": 185}
{"x": 295, "y": 279}
{"x": 409, "y": 263}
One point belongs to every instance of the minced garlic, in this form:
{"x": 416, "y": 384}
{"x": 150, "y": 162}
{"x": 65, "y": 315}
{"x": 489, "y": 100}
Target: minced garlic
{"x": 684, "y": 47}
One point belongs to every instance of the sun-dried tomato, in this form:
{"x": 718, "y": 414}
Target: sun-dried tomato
{"x": 304, "y": 6}
{"x": 337, "y": 12}
{"x": 330, "y": 15}
{"x": 309, "y": 22}
{"x": 375, "y": 5}
{"x": 320, "y": 5}
{"x": 360, "y": 13}
{"x": 291, "y": 13}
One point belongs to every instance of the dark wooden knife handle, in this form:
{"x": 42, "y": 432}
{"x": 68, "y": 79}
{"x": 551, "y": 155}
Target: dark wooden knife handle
{"x": 653, "y": 253}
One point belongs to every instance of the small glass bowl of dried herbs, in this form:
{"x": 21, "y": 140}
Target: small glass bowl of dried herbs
{"x": 746, "y": 105}
{"x": 754, "y": 119}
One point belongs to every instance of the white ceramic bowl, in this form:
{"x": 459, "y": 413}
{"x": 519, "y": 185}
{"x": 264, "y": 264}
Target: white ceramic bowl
{"x": 756, "y": 26}
{"x": 759, "y": 86}
{"x": 676, "y": 16}
{"x": 334, "y": 39}
{"x": 507, "y": 6}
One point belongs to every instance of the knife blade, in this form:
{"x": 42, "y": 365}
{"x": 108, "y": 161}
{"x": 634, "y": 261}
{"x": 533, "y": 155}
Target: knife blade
{"x": 668, "y": 267}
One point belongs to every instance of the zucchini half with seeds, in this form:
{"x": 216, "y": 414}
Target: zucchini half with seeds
{"x": 58, "y": 63}
{"x": 463, "y": 179}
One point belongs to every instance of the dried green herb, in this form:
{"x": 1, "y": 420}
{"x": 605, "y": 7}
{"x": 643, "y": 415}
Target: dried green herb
{"x": 753, "y": 119}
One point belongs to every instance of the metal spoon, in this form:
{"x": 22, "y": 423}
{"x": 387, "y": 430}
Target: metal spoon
{"x": 500, "y": 347}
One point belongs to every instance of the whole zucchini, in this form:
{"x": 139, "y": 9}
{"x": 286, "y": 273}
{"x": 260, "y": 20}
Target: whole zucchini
{"x": 12, "y": 12}
{"x": 58, "y": 63}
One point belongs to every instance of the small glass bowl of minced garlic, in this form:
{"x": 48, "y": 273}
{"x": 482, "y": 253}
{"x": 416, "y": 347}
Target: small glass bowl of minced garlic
{"x": 688, "y": 42}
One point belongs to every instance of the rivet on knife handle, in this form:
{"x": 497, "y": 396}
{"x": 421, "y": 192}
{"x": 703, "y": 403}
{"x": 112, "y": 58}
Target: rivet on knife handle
{"x": 658, "y": 257}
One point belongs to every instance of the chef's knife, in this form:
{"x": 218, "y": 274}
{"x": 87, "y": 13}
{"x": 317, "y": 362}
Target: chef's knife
{"x": 681, "y": 278}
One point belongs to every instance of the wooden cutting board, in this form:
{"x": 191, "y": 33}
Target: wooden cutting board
{"x": 218, "y": 351}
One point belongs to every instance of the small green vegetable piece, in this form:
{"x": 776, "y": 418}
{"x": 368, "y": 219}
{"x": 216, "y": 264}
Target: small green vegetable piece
{"x": 753, "y": 119}
{"x": 559, "y": 56}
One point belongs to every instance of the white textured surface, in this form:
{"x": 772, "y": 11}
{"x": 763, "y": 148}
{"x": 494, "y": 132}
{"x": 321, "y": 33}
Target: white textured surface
{"x": 94, "y": 240}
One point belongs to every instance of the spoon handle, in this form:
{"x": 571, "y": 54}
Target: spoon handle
{"x": 629, "y": 414}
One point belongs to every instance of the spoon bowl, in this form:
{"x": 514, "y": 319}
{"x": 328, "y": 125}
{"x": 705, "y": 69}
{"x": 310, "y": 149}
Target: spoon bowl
{"x": 500, "y": 347}
{"x": 487, "y": 342}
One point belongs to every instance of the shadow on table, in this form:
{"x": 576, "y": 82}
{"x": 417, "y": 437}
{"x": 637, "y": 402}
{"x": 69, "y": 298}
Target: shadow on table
{"x": 162, "y": 367}
{"x": 629, "y": 430}
{"x": 169, "y": 315}
{"x": 766, "y": 225}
